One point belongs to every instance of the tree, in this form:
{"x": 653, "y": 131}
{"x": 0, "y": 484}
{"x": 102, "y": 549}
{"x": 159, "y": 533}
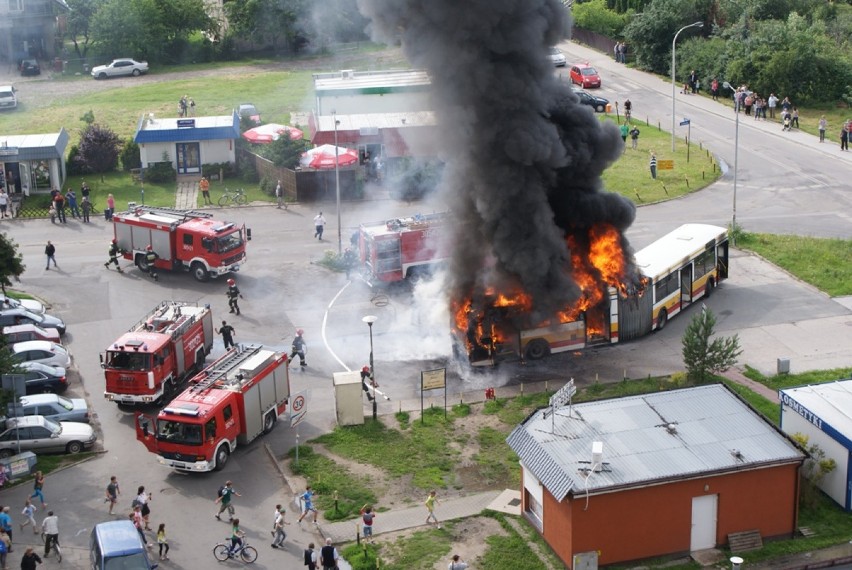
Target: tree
{"x": 284, "y": 152}
{"x": 813, "y": 471}
{"x": 78, "y": 23}
{"x": 703, "y": 356}
{"x": 98, "y": 149}
{"x": 11, "y": 262}
{"x": 649, "y": 35}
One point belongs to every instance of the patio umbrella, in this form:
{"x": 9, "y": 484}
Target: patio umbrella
{"x": 322, "y": 157}
{"x": 271, "y": 132}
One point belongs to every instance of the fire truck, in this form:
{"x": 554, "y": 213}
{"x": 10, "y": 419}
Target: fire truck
{"x": 183, "y": 239}
{"x": 230, "y": 403}
{"x": 397, "y": 249}
{"x": 149, "y": 362}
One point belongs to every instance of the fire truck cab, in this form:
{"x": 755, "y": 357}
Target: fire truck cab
{"x": 401, "y": 248}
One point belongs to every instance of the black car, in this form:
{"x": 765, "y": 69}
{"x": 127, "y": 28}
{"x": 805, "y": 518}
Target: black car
{"x": 41, "y": 378}
{"x": 597, "y": 103}
{"x": 29, "y": 67}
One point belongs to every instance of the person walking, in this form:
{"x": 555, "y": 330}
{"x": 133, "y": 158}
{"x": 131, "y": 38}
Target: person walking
{"x": 365, "y": 375}
{"x": 112, "y": 492}
{"x": 50, "y": 528}
{"x": 844, "y": 136}
{"x": 329, "y": 556}
{"x": 227, "y": 332}
{"x": 204, "y": 186}
{"x": 430, "y": 502}
{"x": 456, "y": 563}
{"x": 299, "y": 347}
{"x": 38, "y": 488}
{"x": 278, "y": 532}
{"x": 162, "y": 542}
{"x": 279, "y": 195}
{"x": 110, "y": 209}
{"x": 233, "y": 294}
{"x": 311, "y": 557}
{"x": 71, "y": 198}
{"x": 138, "y": 522}
{"x": 349, "y": 261}
{"x": 50, "y": 252}
{"x": 6, "y": 521}
{"x": 367, "y": 517}
{"x": 30, "y": 560}
{"x": 634, "y": 137}
{"x": 4, "y": 202}
{"x": 624, "y": 130}
{"x": 307, "y": 499}
{"x": 86, "y": 208}
{"x": 114, "y": 250}
{"x": 151, "y": 258}
{"x": 319, "y": 226}
{"x": 822, "y": 126}
{"x": 714, "y": 89}
{"x": 224, "y": 500}
{"x": 29, "y": 516}
{"x": 51, "y": 211}
{"x": 142, "y": 499}
{"x": 652, "y": 164}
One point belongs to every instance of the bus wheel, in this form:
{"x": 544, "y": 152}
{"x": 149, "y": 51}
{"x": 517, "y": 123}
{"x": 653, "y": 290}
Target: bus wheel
{"x": 709, "y": 289}
{"x": 662, "y": 319}
{"x": 537, "y": 349}
{"x": 222, "y": 455}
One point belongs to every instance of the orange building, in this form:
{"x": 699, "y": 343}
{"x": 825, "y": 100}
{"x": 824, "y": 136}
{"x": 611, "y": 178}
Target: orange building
{"x": 652, "y": 475}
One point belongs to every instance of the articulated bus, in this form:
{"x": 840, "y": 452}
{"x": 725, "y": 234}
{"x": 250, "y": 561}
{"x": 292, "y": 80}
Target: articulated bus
{"x": 676, "y": 270}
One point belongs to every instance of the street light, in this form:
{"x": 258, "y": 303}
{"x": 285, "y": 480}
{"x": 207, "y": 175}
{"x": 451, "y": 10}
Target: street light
{"x": 736, "y": 562}
{"x": 337, "y": 182}
{"x": 693, "y": 25}
{"x": 727, "y": 85}
{"x": 370, "y": 319}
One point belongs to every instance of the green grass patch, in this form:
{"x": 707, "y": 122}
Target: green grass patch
{"x": 497, "y": 462}
{"x": 419, "y": 551}
{"x": 789, "y": 380}
{"x": 512, "y": 552}
{"x": 770, "y": 409}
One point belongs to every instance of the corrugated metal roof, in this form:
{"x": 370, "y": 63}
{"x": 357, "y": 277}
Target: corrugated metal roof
{"x": 35, "y": 147}
{"x": 153, "y": 129}
{"x": 388, "y": 80}
{"x": 648, "y": 438}
{"x": 831, "y": 402}
{"x": 357, "y": 122}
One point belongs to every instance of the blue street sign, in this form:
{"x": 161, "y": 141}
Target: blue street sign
{"x": 684, "y": 122}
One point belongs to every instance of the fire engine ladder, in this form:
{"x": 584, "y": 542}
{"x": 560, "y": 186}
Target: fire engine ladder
{"x": 221, "y": 368}
{"x": 157, "y": 311}
{"x": 184, "y": 214}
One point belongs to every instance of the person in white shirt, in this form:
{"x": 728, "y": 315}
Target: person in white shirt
{"x": 457, "y": 563}
{"x": 50, "y": 528}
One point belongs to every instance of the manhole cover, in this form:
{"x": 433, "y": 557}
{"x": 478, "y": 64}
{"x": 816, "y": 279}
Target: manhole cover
{"x": 514, "y": 502}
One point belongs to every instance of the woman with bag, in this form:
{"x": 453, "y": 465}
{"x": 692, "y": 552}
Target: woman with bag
{"x": 142, "y": 499}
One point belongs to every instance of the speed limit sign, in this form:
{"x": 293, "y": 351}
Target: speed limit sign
{"x": 298, "y": 408}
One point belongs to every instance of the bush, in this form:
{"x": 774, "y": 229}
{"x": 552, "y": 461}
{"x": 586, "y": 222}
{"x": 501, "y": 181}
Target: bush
{"x": 75, "y": 166}
{"x": 99, "y": 148}
{"x": 248, "y": 171}
{"x": 158, "y": 172}
{"x": 267, "y": 186}
{"x": 214, "y": 169}
{"x": 129, "y": 155}
{"x": 596, "y": 17}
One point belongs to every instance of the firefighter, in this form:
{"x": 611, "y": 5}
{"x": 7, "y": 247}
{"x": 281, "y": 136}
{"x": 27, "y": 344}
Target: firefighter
{"x": 300, "y": 347}
{"x": 233, "y": 293}
{"x": 349, "y": 260}
{"x": 114, "y": 251}
{"x": 365, "y": 375}
{"x": 151, "y": 258}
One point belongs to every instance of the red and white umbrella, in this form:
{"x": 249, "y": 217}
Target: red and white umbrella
{"x": 323, "y": 157}
{"x": 271, "y": 132}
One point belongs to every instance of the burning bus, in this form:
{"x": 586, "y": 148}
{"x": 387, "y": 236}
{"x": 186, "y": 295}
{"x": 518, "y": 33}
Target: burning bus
{"x": 619, "y": 301}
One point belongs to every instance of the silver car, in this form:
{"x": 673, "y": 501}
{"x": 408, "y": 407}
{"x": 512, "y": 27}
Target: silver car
{"x": 43, "y": 351}
{"x": 31, "y": 305}
{"x": 21, "y": 316}
{"x": 57, "y": 408}
{"x": 42, "y": 435}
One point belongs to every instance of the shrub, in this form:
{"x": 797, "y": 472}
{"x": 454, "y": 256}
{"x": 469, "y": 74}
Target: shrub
{"x": 596, "y": 17}
{"x": 160, "y": 172}
{"x": 129, "y": 155}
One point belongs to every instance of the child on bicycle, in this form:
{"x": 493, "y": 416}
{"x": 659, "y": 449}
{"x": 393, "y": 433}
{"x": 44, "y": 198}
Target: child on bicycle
{"x": 236, "y": 537}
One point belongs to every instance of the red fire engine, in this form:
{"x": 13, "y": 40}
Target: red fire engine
{"x": 397, "y": 249}
{"x": 183, "y": 239}
{"x": 230, "y": 403}
{"x": 148, "y": 363}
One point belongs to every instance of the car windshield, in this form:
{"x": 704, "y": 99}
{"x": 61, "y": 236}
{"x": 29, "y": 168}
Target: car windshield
{"x": 229, "y": 242}
{"x": 126, "y": 562}
{"x": 128, "y": 360}
{"x": 555, "y": 51}
{"x": 54, "y": 427}
{"x": 65, "y": 403}
{"x": 588, "y": 71}
{"x": 179, "y": 432}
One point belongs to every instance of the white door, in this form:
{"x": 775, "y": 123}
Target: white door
{"x": 24, "y": 175}
{"x": 703, "y": 534}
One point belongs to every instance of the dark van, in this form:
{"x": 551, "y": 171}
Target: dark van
{"x": 116, "y": 545}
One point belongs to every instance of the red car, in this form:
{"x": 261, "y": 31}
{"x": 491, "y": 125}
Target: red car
{"x": 585, "y": 75}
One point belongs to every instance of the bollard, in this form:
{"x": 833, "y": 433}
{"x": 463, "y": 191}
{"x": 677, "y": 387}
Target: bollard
{"x": 686, "y": 178}
{"x": 659, "y": 128}
{"x": 700, "y": 147}
{"x": 336, "y": 509}
{"x": 666, "y": 190}
{"x": 638, "y": 197}
{"x": 702, "y": 175}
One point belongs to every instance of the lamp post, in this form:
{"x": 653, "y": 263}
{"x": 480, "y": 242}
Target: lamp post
{"x": 693, "y": 25}
{"x": 370, "y": 319}
{"x": 337, "y": 183}
{"x": 736, "y": 562}
{"x": 727, "y": 85}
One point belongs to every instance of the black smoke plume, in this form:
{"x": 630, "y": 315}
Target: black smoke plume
{"x": 524, "y": 158}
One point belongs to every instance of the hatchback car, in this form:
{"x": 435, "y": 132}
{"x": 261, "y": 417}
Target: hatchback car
{"x": 557, "y": 58}
{"x": 41, "y": 378}
{"x": 42, "y": 351}
{"x": 57, "y": 408}
{"x": 42, "y": 435}
{"x": 597, "y": 103}
{"x": 21, "y": 316}
{"x": 585, "y": 76}
{"x": 249, "y": 111}
{"x": 22, "y": 333}
{"x": 29, "y": 67}
{"x": 31, "y": 305}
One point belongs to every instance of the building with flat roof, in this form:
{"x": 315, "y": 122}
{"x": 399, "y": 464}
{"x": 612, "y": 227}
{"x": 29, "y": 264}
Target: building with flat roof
{"x": 349, "y": 92}
{"x": 187, "y": 142}
{"x": 33, "y": 164}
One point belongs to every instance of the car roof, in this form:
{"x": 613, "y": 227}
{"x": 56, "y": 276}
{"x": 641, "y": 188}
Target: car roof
{"x": 35, "y": 399}
{"x": 42, "y": 367}
{"x": 118, "y": 538}
{"x": 583, "y": 65}
{"x": 29, "y": 421}
{"x": 33, "y": 345}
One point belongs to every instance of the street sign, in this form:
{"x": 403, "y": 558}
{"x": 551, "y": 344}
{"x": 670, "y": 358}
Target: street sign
{"x": 298, "y": 408}
{"x": 433, "y": 379}
{"x": 684, "y": 122}
{"x": 563, "y": 396}
{"x": 665, "y": 165}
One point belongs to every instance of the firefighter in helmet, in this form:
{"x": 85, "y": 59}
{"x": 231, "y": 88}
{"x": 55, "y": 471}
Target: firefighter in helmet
{"x": 150, "y": 259}
{"x": 114, "y": 252}
{"x": 365, "y": 375}
{"x": 300, "y": 347}
{"x": 233, "y": 294}
{"x": 349, "y": 260}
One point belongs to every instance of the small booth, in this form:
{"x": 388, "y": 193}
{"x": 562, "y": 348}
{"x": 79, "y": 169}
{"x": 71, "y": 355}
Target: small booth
{"x": 187, "y": 142}
{"x": 349, "y": 408}
{"x": 32, "y": 164}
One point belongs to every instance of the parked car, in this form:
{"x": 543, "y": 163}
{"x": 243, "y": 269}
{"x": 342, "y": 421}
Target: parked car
{"x": 21, "y": 333}
{"x": 557, "y": 58}
{"x": 29, "y": 67}
{"x": 43, "y": 379}
{"x": 31, "y": 305}
{"x": 120, "y": 68}
{"x": 250, "y": 111}
{"x": 8, "y": 97}
{"x": 597, "y": 103}
{"x": 584, "y": 75}
{"x": 57, "y": 408}
{"x": 21, "y": 316}
{"x": 42, "y": 435}
{"x": 41, "y": 351}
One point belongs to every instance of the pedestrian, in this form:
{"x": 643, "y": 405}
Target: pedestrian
{"x": 142, "y": 499}
{"x": 236, "y": 537}
{"x": 628, "y": 110}
{"x": 86, "y": 207}
{"x": 430, "y": 502}
{"x": 151, "y": 260}
{"x": 616, "y": 49}
{"x": 795, "y": 117}
{"x": 365, "y": 375}
{"x": 457, "y": 563}
{"x": 85, "y": 190}
{"x": 110, "y": 207}
{"x": 311, "y": 557}
{"x": 162, "y": 542}
{"x": 634, "y": 137}
{"x": 693, "y": 81}
{"x": 114, "y": 250}
{"x": 786, "y": 105}
{"x": 329, "y": 556}
{"x": 227, "y": 332}
{"x": 5, "y": 545}
{"x": 50, "y": 529}
{"x": 319, "y": 226}
{"x": 624, "y": 129}
{"x": 112, "y": 492}
{"x": 823, "y": 125}
{"x": 204, "y": 186}
{"x": 233, "y": 294}
{"x": 278, "y": 531}
{"x": 38, "y": 488}
{"x": 51, "y": 211}
{"x": 191, "y": 107}
{"x": 226, "y": 492}
{"x": 307, "y": 499}
{"x": 367, "y": 516}
{"x": 279, "y": 195}
{"x": 772, "y": 102}
{"x": 299, "y": 347}
{"x": 6, "y": 521}
{"x": 136, "y": 519}
{"x": 71, "y": 198}
{"x": 30, "y": 560}
{"x": 714, "y": 89}
{"x": 50, "y": 252}
{"x": 4, "y": 202}
{"x": 29, "y": 516}
{"x": 59, "y": 202}
{"x": 653, "y": 165}
{"x": 349, "y": 260}
{"x": 844, "y": 136}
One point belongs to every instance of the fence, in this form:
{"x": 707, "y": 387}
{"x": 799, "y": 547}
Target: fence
{"x": 308, "y": 185}
{"x": 598, "y": 42}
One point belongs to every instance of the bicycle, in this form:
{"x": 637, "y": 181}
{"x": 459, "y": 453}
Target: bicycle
{"x": 237, "y": 197}
{"x": 54, "y": 545}
{"x": 247, "y": 554}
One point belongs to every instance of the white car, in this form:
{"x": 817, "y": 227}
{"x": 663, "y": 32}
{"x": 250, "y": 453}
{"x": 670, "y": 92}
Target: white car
{"x": 120, "y": 68}
{"x": 42, "y": 351}
{"x": 42, "y": 435}
{"x": 557, "y": 58}
{"x": 31, "y": 305}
